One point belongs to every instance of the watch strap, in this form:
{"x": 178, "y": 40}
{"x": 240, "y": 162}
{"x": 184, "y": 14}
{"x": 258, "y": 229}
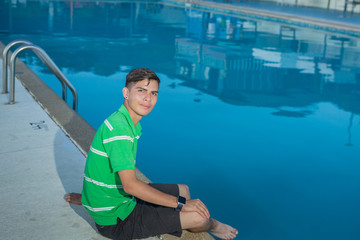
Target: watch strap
{"x": 181, "y": 203}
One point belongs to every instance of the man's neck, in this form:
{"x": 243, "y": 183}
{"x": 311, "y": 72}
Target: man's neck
{"x": 134, "y": 117}
{"x": 135, "y": 120}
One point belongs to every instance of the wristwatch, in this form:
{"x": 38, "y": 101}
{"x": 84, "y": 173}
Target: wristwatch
{"x": 181, "y": 203}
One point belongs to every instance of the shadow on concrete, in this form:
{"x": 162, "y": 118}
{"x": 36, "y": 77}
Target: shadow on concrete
{"x": 70, "y": 165}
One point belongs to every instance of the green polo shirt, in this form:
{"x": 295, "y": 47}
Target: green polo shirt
{"x": 113, "y": 149}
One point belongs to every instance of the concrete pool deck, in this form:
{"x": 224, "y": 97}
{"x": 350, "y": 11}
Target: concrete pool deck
{"x": 42, "y": 158}
{"x": 39, "y": 165}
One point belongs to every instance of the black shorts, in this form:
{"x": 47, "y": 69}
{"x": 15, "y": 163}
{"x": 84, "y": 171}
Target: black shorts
{"x": 147, "y": 219}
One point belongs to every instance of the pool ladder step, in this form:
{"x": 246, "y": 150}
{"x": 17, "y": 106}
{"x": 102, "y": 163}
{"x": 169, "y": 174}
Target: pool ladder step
{"x": 45, "y": 59}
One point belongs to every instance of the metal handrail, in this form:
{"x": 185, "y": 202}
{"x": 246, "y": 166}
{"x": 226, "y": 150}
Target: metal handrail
{"x": 5, "y": 61}
{"x": 50, "y": 64}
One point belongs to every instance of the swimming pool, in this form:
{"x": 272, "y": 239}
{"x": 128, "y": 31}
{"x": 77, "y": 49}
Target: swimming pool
{"x": 261, "y": 120}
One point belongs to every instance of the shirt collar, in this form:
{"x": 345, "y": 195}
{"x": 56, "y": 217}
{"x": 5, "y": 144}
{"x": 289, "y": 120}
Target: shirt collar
{"x": 136, "y": 129}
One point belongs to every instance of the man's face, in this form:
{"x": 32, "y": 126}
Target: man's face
{"x": 141, "y": 97}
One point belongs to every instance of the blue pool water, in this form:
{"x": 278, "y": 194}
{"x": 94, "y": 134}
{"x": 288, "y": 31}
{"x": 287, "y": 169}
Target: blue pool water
{"x": 261, "y": 120}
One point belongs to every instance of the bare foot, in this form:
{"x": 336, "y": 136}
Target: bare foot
{"x": 223, "y": 231}
{"x": 74, "y": 198}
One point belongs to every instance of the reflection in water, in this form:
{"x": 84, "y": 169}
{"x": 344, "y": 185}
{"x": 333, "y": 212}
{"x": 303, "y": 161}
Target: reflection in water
{"x": 241, "y": 61}
{"x": 287, "y": 113}
{"x": 349, "y": 129}
{"x": 232, "y": 58}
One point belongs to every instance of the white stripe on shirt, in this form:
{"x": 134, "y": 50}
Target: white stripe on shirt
{"x": 106, "y": 208}
{"x": 101, "y": 184}
{"x": 108, "y": 125}
{"x": 98, "y": 152}
{"x": 99, "y": 209}
{"x": 120, "y": 138}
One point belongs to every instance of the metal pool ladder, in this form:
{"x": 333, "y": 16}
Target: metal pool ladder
{"x": 46, "y": 60}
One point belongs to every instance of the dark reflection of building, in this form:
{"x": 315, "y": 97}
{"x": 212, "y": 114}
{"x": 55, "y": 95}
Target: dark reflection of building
{"x": 224, "y": 56}
{"x": 112, "y": 29}
{"x": 113, "y": 19}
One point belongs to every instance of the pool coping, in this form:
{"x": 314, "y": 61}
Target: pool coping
{"x": 261, "y": 14}
{"x": 75, "y": 127}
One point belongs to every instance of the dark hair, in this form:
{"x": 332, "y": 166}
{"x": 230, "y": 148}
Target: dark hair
{"x": 140, "y": 74}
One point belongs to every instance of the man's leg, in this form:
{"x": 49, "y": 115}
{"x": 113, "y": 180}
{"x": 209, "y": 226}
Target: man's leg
{"x": 184, "y": 191}
{"x": 193, "y": 222}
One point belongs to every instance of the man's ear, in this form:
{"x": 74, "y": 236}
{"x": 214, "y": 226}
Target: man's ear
{"x": 125, "y": 92}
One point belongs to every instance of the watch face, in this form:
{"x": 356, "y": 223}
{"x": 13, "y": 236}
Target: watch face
{"x": 181, "y": 200}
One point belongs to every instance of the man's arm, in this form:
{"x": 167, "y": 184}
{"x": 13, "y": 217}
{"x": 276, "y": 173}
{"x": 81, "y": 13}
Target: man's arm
{"x": 143, "y": 191}
{"x": 149, "y": 194}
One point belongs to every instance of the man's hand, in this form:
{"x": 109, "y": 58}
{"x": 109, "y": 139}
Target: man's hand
{"x": 195, "y": 205}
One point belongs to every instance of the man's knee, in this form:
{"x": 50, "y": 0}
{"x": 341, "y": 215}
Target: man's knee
{"x": 184, "y": 191}
{"x": 193, "y": 221}
{"x": 200, "y": 223}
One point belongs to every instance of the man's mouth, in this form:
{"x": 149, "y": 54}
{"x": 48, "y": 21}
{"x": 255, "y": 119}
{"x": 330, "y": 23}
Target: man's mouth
{"x": 145, "y": 106}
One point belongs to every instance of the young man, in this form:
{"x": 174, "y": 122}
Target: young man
{"x": 122, "y": 206}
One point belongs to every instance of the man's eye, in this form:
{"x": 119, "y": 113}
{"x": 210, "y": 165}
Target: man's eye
{"x": 155, "y": 93}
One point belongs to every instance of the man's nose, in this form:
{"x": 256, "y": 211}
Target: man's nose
{"x": 147, "y": 97}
